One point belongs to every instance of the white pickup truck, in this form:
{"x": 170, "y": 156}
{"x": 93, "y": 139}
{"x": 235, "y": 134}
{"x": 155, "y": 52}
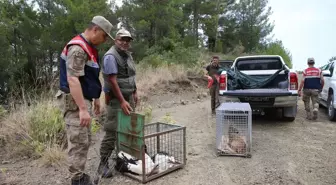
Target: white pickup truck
{"x": 265, "y": 82}
{"x": 327, "y": 97}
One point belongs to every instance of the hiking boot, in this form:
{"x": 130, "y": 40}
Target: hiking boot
{"x": 103, "y": 169}
{"x": 84, "y": 180}
{"x": 308, "y": 117}
{"x": 213, "y": 112}
{"x": 314, "y": 115}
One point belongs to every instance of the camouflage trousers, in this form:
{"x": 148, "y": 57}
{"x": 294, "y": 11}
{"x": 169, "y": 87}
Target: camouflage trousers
{"x": 310, "y": 94}
{"x": 214, "y": 92}
{"x": 110, "y": 126}
{"x": 79, "y": 138}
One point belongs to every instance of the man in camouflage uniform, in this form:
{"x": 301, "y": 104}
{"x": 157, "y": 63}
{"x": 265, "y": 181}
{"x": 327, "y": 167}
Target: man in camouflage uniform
{"x": 120, "y": 92}
{"x": 312, "y": 84}
{"x": 212, "y": 70}
{"x": 80, "y": 86}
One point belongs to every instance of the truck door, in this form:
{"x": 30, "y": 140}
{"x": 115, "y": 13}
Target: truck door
{"x": 327, "y": 79}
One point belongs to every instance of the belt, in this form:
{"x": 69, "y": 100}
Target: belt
{"x": 65, "y": 89}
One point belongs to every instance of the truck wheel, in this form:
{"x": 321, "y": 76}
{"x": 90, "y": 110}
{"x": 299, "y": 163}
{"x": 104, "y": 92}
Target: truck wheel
{"x": 289, "y": 119}
{"x": 270, "y": 113}
{"x": 289, "y": 113}
{"x": 331, "y": 109}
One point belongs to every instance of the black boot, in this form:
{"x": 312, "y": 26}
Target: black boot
{"x": 84, "y": 180}
{"x": 103, "y": 169}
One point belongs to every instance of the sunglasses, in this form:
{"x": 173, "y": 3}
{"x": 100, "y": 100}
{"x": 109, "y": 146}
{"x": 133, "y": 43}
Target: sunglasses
{"x": 124, "y": 39}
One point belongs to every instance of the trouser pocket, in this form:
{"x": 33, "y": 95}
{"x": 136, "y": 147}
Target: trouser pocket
{"x": 69, "y": 103}
{"x": 111, "y": 121}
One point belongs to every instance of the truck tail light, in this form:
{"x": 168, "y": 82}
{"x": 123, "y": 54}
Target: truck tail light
{"x": 293, "y": 81}
{"x": 222, "y": 82}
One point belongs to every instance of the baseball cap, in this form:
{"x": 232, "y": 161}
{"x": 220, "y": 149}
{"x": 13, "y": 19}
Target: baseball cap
{"x": 311, "y": 60}
{"x": 124, "y": 33}
{"x": 104, "y": 24}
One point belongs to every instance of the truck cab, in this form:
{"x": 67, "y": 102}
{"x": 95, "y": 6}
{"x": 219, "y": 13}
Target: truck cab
{"x": 327, "y": 96}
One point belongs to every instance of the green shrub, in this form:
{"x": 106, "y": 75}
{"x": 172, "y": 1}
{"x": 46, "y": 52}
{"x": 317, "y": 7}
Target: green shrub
{"x": 2, "y": 112}
{"x": 277, "y": 48}
{"x": 46, "y": 124}
{"x": 30, "y": 130}
{"x": 177, "y": 54}
{"x": 95, "y": 127}
{"x": 148, "y": 114}
{"x": 168, "y": 119}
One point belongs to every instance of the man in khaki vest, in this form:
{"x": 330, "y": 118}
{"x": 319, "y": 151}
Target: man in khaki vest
{"x": 120, "y": 93}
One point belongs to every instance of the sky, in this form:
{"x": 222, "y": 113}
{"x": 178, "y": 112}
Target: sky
{"x": 307, "y": 28}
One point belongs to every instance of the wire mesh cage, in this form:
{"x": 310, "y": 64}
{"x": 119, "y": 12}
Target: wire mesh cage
{"x": 147, "y": 152}
{"x": 234, "y": 129}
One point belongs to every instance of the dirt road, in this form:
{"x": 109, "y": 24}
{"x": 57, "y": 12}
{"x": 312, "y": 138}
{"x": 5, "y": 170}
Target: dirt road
{"x": 300, "y": 152}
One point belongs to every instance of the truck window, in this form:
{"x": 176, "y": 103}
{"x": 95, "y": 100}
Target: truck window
{"x": 331, "y": 69}
{"x": 259, "y": 64}
{"x": 325, "y": 67}
{"x": 225, "y": 63}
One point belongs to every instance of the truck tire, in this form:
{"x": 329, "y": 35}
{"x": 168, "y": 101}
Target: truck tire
{"x": 289, "y": 119}
{"x": 331, "y": 109}
{"x": 270, "y": 113}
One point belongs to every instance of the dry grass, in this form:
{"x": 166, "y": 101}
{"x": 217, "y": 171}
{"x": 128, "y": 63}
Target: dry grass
{"x": 32, "y": 130}
{"x": 148, "y": 78}
{"x": 53, "y": 156}
{"x": 153, "y": 78}
{"x": 36, "y": 131}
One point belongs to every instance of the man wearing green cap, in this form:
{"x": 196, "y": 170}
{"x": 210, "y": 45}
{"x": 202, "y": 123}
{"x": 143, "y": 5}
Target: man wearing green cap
{"x": 120, "y": 92}
{"x": 312, "y": 84}
{"x": 80, "y": 87}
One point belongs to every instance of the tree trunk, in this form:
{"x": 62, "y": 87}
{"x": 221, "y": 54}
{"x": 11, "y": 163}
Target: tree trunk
{"x": 196, "y": 19}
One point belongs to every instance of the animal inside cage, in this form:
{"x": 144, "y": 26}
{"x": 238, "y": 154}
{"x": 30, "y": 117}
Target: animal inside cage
{"x": 234, "y": 129}
{"x": 147, "y": 152}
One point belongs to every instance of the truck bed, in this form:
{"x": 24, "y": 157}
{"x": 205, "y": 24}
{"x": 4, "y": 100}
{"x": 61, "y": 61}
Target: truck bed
{"x": 261, "y": 97}
{"x": 258, "y": 92}
{"x": 265, "y": 82}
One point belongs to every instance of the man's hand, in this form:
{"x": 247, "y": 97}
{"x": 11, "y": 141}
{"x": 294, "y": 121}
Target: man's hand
{"x": 107, "y": 99}
{"x": 97, "y": 106}
{"x": 136, "y": 98}
{"x": 126, "y": 107}
{"x": 84, "y": 117}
